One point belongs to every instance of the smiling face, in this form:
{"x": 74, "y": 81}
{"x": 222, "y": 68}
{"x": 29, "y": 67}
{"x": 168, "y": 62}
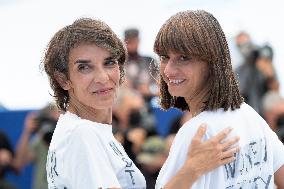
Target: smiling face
{"x": 185, "y": 76}
{"x": 197, "y": 33}
{"x": 93, "y": 76}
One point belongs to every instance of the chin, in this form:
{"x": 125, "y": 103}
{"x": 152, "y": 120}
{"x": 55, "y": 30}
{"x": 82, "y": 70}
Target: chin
{"x": 176, "y": 94}
{"x": 101, "y": 104}
{"x": 105, "y": 106}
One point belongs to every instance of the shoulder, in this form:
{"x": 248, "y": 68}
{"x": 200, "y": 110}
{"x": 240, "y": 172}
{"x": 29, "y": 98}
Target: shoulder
{"x": 205, "y": 117}
{"x": 250, "y": 113}
{"x": 214, "y": 120}
{"x": 86, "y": 140}
{"x": 73, "y": 124}
{"x": 84, "y": 131}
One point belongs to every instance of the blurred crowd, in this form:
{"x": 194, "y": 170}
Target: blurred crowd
{"x": 134, "y": 123}
{"x": 258, "y": 81}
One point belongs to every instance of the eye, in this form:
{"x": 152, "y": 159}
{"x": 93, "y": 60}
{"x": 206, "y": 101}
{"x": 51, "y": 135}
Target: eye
{"x": 164, "y": 58}
{"x": 84, "y": 68}
{"x": 184, "y": 58}
{"x": 111, "y": 62}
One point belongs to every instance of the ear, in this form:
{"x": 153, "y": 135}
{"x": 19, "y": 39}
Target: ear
{"x": 62, "y": 80}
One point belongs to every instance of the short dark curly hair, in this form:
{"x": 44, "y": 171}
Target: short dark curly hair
{"x": 82, "y": 31}
{"x": 198, "y": 33}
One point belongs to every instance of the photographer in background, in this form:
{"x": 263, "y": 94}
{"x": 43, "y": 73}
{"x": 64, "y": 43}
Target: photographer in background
{"x": 6, "y": 161}
{"x": 137, "y": 68}
{"x": 34, "y": 142}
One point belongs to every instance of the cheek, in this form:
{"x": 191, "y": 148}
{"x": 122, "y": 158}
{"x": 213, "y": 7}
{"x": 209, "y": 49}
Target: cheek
{"x": 162, "y": 68}
{"x": 205, "y": 72}
{"x": 162, "y": 71}
{"x": 79, "y": 81}
{"x": 115, "y": 75}
{"x": 204, "y": 76}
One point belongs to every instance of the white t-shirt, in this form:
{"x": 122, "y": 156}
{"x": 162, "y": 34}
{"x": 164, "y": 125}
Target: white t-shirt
{"x": 84, "y": 154}
{"x": 261, "y": 154}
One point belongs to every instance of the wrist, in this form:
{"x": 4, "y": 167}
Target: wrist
{"x": 191, "y": 171}
{"x": 185, "y": 177}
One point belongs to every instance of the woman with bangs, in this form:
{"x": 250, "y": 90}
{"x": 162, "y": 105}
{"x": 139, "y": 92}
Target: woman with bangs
{"x": 196, "y": 75}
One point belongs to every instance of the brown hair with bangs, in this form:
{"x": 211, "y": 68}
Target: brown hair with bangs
{"x": 198, "y": 34}
{"x": 82, "y": 31}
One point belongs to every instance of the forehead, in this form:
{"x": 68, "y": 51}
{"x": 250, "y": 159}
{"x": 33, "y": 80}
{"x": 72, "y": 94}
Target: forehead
{"x": 88, "y": 51}
{"x": 174, "y": 53}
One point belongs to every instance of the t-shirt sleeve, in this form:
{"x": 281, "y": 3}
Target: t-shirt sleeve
{"x": 87, "y": 163}
{"x": 278, "y": 148}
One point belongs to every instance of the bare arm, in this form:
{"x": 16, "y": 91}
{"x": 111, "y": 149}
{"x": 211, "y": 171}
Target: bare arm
{"x": 279, "y": 177}
{"x": 204, "y": 157}
{"x": 24, "y": 154}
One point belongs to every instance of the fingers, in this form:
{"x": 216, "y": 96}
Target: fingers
{"x": 200, "y": 133}
{"x": 227, "y": 160}
{"x": 229, "y": 156}
{"x": 230, "y": 142}
{"x": 222, "y": 135}
{"x": 230, "y": 153}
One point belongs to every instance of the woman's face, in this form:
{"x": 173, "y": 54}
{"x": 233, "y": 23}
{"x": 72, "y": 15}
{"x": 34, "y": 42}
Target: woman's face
{"x": 93, "y": 76}
{"x": 185, "y": 76}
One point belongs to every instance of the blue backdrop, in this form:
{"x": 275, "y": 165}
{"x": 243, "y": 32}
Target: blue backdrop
{"x": 12, "y": 122}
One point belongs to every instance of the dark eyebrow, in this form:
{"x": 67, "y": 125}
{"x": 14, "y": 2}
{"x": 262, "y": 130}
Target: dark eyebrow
{"x": 110, "y": 58}
{"x": 82, "y": 61}
{"x": 88, "y": 61}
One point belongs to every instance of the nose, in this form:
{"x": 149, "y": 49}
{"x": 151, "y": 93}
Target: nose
{"x": 170, "y": 68}
{"x": 101, "y": 76}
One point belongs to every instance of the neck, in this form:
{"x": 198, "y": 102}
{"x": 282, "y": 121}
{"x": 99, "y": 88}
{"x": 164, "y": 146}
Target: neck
{"x": 196, "y": 101}
{"x": 97, "y": 115}
{"x": 196, "y": 107}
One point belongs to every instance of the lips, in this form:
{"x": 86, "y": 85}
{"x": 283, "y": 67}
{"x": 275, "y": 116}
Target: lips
{"x": 103, "y": 90}
{"x": 176, "y": 81}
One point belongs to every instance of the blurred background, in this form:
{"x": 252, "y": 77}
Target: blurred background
{"x": 28, "y": 25}
{"x": 254, "y": 32}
